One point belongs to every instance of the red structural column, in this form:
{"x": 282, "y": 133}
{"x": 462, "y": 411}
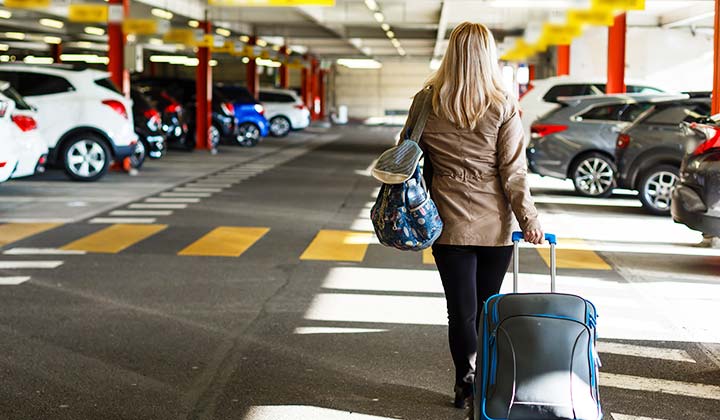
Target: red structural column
{"x": 563, "y": 60}
{"x": 531, "y": 72}
{"x": 284, "y": 69}
{"x": 116, "y": 51}
{"x": 322, "y": 93}
{"x": 253, "y": 78}
{"x": 56, "y": 52}
{"x": 716, "y": 75}
{"x": 203, "y": 86}
{"x": 616, "y": 55}
{"x": 305, "y": 87}
{"x": 315, "y": 89}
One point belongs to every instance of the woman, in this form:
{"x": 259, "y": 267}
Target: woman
{"x": 474, "y": 143}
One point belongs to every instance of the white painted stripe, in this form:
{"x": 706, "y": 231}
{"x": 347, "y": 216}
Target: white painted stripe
{"x": 663, "y": 386}
{"x": 198, "y": 189}
{"x": 334, "y": 330}
{"x": 171, "y": 200}
{"x": 29, "y": 264}
{"x": 158, "y": 206}
{"x": 617, "y": 416}
{"x": 647, "y": 352}
{"x": 185, "y": 194}
{"x": 208, "y": 185}
{"x": 141, "y": 213}
{"x": 13, "y": 281}
{"x": 42, "y": 251}
{"x": 124, "y": 220}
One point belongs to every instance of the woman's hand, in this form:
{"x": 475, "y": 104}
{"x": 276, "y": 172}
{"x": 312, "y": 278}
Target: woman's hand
{"x": 534, "y": 236}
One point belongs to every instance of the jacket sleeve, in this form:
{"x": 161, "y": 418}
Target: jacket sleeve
{"x": 412, "y": 115}
{"x": 512, "y": 167}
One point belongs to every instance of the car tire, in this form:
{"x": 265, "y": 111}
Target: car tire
{"x": 656, "y": 186}
{"x": 86, "y": 157}
{"x": 140, "y": 154}
{"x": 248, "y": 134}
{"x": 214, "y": 137}
{"x": 593, "y": 175}
{"x": 280, "y": 126}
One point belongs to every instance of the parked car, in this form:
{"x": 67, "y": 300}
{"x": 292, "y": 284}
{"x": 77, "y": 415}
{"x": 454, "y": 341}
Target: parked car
{"x": 82, "y": 116}
{"x": 649, "y": 152}
{"x": 8, "y": 147}
{"x": 285, "y": 111}
{"x": 30, "y": 148}
{"x": 696, "y": 199}
{"x": 151, "y": 140}
{"x": 252, "y": 124}
{"x": 577, "y": 140}
{"x": 223, "y": 127}
{"x": 542, "y": 96}
{"x": 173, "y": 115}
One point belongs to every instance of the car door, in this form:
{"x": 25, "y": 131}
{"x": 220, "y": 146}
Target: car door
{"x": 603, "y": 124}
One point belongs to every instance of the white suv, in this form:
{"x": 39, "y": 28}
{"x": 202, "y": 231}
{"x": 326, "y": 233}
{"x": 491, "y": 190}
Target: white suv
{"x": 22, "y": 132}
{"x": 284, "y": 110}
{"x": 82, "y": 116}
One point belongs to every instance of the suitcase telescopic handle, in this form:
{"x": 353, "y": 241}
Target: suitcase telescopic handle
{"x": 552, "y": 239}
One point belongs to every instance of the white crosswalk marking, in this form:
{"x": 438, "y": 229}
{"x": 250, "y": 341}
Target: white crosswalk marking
{"x": 13, "y": 281}
{"x": 198, "y": 189}
{"x": 158, "y": 206}
{"x": 334, "y": 330}
{"x": 209, "y": 185}
{"x": 645, "y": 352}
{"x": 141, "y": 213}
{"x": 617, "y": 416}
{"x": 171, "y": 200}
{"x": 664, "y": 386}
{"x": 8, "y": 265}
{"x": 42, "y": 251}
{"x": 185, "y": 194}
{"x": 122, "y": 220}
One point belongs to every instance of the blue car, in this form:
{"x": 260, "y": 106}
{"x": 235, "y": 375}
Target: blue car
{"x": 249, "y": 114}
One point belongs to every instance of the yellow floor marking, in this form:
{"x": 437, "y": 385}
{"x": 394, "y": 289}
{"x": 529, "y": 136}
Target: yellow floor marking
{"x": 13, "y": 232}
{"x": 427, "y": 256}
{"x": 114, "y": 239}
{"x": 338, "y": 245}
{"x": 580, "y": 259}
{"x": 225, "y": 241}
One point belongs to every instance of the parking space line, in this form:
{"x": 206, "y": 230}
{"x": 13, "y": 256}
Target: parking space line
{"x": 225, "y": 241}
{"x": 427, "y": 257}
{"x": 664, "y": 386}
{"x": 141, "y": 213}
{"x": 338, "y": 245}
{"x": 41, "y": 251}
{"x": 185, "y": 194}
{"x": 121, "y": 220}
{"x": 578, "y": 259}
{"x": 13, "y": 232}
{"x": 197, "y": 189}
{"x": 617, "y": 416}
{"x": 208, "y": 185}
{"x": 645, "y": 352}
{"x": 171, "y": 200}
{"x": 29, "y": 264}
{"x": 115, "y": 238}
{"x": 157, "y": 206}
{"x": 13, "y": 281}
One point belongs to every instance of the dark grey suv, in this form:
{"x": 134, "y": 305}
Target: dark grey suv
{"x": 650, "y": 151}
{"x": 577, "y": 140}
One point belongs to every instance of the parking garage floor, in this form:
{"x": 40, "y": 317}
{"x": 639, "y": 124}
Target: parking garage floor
{"x": 248, "y": 286}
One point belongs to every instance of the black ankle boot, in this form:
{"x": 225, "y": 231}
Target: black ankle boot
{"x": 463, "y": 397}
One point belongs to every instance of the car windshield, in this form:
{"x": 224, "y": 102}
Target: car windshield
{"x": 20, "y": 103}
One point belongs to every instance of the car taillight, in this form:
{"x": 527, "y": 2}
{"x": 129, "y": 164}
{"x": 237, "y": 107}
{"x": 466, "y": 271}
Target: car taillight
{"x": 153, "y": 118}
{"x": 116, "y": 106}
{"x": 227, "y": 108}
{"x": 172, "y": 108}
{"x": 623, "y": 141}
{"x": 541, "y": 130}
{"x": 259, "y": 109}
{"x": 24, "y": 122}
{"x": 2, "y": 164}
{"x": 300, "y": 107}
{"x": 713, "y": 143}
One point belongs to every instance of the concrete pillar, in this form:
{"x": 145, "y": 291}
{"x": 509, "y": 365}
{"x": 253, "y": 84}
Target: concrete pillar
{"x": 305, "y": 87}
{"x": 116, "y": 51}
{"x": 56, "y": 52}
{"x": 563, "y": 60}
{"x": 616, "y": 55}
{"x": 322, "y": 93}
{"x": 315, "y": 89}
{"x": 252, "y": 76}
{"x": 203, "y": 86}
{"x": 284, "y": 69}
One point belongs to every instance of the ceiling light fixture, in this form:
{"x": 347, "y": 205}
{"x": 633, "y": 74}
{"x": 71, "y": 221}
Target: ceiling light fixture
{"x": 15, "y": 35}
{"x": 390, "y": 34}
{"x": 267, "y": 63}
{"x": 52, "y": 39}
{"x": 245, "y": 60}
{"x": 5, "y": 14}
{"x": 244, "y": 38}
{"x": 223, "y": 32}
{"x": 193, "y": 24}
{"x": 401, "y": 52}
{"x": 52, "y": 23}
{"x": 30, "y": 59}
{"x": 261, "y": 43}
{"x": 93, "y": 30}
{"x": 4, "y": 47}
{"x": 359, "y": 63}
{"x": 395, "y": 43}
{"x": 85, "y": 58}
{"x": 385, "y": 27}
{"x": 379, "y": 17}
{"x": 162, "y": 13}
{"x": 371, "y": 4}
{"x": 213, "y": 63}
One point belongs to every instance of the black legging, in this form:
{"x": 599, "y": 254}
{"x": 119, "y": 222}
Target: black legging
{"x": 470, "y": 275}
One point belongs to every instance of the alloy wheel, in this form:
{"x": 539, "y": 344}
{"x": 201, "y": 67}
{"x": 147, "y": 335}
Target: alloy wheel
{"x": 279, "y": 126}
{"x": 214, "y": 137}
{"x": 658, "y": 189}
{"x": 248, "y": 134}
{"x": 85, "y": 158}
{"x": 139, "y": 154}
{"x": 594, "y": 176}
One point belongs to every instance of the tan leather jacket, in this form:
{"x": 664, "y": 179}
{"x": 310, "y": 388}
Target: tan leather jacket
{"x": 480, "y": 177}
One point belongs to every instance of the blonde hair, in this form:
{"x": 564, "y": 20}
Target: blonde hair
{"x": 468, "y": 82}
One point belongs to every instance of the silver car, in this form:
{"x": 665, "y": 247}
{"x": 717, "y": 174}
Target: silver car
{"x": 577, "y": 140}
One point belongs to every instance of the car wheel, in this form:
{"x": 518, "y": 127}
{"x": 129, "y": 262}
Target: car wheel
{"x": 86, "y": 158}
{"x": 280, "y": 127}
{"x": 214, "y": 137}
{"x": 656, "y": 187}
{"x": 248, "y": 134}
{"x": 594, "y": 175}
{"x": 139, "y": 155}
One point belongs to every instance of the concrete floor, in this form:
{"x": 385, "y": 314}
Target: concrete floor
{"x": 255, "y": 293}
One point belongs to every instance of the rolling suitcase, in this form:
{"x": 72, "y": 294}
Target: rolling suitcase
{"x": 537, "y": 357}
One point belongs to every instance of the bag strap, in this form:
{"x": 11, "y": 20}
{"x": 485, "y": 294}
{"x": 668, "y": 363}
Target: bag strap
{"x": 418, "y": 126}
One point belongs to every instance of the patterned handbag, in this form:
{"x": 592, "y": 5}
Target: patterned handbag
{"x": 404, "y": 216}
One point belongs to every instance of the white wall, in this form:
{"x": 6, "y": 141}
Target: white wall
{"x": 671, "y": 58}
{"x": 369, "y": 93}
